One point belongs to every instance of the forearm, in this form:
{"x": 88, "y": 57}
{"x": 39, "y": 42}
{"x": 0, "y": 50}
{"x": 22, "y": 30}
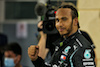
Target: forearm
{"x": 42, "y": 46}
{"x": 39, "y": 62}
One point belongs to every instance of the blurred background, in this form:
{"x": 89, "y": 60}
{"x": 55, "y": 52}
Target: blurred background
{"x": 18, "y": 20}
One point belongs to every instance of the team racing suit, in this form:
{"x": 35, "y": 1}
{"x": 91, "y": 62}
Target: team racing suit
{"x": 73, "y": 51}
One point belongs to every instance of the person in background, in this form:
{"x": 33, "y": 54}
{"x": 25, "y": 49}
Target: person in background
{"x": 3, "y": 42}
{"x": 12, "y": 55}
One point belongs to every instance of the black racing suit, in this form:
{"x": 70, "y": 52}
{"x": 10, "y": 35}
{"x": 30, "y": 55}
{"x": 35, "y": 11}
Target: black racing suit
{"x": 73, "y": 51}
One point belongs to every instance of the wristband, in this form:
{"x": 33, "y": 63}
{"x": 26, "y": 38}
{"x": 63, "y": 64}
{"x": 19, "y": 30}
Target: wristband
{"x": 39, "y": 29}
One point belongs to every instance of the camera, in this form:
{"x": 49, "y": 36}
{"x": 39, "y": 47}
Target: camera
{"x": 47, "y": 14}
{"x": 49, "y": 22}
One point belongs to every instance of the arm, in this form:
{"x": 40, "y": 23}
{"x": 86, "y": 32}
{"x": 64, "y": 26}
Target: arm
{"x": 84, "y": 57}
{"x": 95, "y": 57}
{"x": 38, "y": 52}
{"x": 86, "y": 35}
{"x": 33, "y": 51}
{"x": 42, "y": 42}
{"x": 42, "y": 46}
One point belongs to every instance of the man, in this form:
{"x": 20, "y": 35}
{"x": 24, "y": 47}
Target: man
{"x": 72, "y": 50}
{"x": 12, "y": 55}
{"x": 46, "y": 52}
{"x": 3, "y": 42}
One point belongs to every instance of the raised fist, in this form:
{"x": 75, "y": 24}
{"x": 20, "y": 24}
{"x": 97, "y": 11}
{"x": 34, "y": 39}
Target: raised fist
{"x": 33, "y": 51}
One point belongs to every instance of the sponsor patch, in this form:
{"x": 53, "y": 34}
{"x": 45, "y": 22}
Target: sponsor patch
{"x": 87, "y": 54}
{"x": 67, "y": 49}
{"x": 54, "y": 65}
{"x": 88, "y": 63}
{"x": 75, "y": 47}
{"x": 63, "y": 57}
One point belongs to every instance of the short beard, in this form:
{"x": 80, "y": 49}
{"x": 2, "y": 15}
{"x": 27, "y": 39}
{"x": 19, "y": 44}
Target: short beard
{"x": 69, "y": 30}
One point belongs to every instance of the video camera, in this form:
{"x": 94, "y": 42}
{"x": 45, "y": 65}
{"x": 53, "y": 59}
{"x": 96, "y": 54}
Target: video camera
{"x": 47, "y": 14}
{"x": 49, "y": 22}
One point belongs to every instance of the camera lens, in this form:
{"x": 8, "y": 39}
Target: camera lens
{"x": 50, "y": 26}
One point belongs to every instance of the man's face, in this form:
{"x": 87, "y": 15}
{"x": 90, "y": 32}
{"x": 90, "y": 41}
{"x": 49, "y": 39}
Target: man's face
{"x": 64, "y": 21}
{"x": 10, "y": 54}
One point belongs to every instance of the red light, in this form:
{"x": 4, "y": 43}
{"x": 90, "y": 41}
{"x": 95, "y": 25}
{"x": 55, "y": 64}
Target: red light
{"x": 55, "y": 12}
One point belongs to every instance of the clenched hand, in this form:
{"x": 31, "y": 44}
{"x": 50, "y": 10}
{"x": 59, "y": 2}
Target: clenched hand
{"x": 33, "y": 51}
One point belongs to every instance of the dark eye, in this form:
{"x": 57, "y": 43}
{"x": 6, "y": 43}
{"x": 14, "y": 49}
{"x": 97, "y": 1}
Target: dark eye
{"x": 57, "y": 20}
{"x": 64, "y": 19}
